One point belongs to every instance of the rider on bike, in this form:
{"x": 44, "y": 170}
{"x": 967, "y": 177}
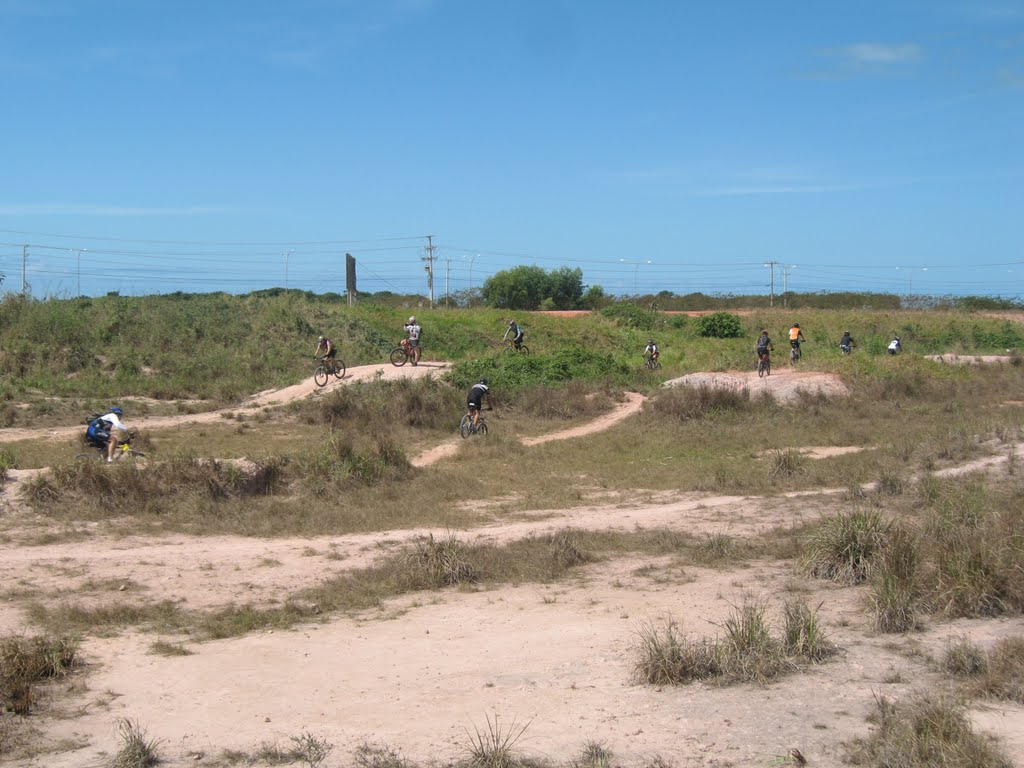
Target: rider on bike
{"x": 764, "y": 346}
{"x": 651, "y": 351}
{"x": 413, "y": 330}
{"x": 847, "y": 343}
{"x": 100, "y": 432}
{"x": 796, "y": 336}
{"x": 329, "y": 350}
{"x": 895, "y": 346}
{"x": 516, "y": 332}
{"x": 477, "y": 394}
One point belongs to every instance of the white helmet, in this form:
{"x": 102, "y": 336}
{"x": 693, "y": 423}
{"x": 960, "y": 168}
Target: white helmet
{"x": 412, "y": 319}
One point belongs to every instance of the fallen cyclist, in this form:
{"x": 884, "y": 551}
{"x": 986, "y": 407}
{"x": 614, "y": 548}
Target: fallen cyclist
{"x": 101, "y": 432}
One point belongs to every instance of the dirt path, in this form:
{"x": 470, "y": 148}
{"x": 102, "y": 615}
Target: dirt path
{"x": 557, "y": 657}
{"x": 306, "y": 388}
{"x": 632, "y": 404}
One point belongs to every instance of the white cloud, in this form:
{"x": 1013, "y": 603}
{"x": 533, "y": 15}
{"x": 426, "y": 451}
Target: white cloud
{"x": 879, "y": 53}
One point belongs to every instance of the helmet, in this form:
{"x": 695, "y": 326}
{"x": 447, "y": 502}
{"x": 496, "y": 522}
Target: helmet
{"x": 511, "y": 322}
{"x": 650, "y": 341}
{"x": 796, "y": 325}
{"x": 116, "y": 410}
{"x": 846, "y": 333}
{"x": 764, "y": 331}
{"x": 412, "y": 319}
{"x": 485, "y": 382}
{"x": 321, "y": 337}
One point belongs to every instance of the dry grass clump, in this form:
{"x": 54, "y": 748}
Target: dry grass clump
{"x": 998, "y": 674}
{"x": 26, "y": 661}
{"x": 339, "y": 462}
{"x": 94, "y": 489}
{"x": 745, "y": 652}
{"x": 895, "y": 594}
{"x": 926, "y": 730}
{"x": 593, "y": 755}
{"x": 843, "y": 548}
{"x": 699, "y": 403}
{"x": 370, "y": 756}
{"x": 442, "y": 562}
{"x": 787, "y": 463}
{"x": 367, "y": 406}
{"x": 576, "y": 400}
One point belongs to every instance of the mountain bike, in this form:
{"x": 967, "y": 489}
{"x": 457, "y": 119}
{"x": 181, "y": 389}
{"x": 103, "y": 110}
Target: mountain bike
{"x": 326, "y": 368}
{"x": 403, "y": 353}
{"x": 764, "y": 365}
{"x": 98, "y": 451}
{"x": 512, "y": 349}
{"x": 651, "y": 363}
{"x": 794, "y": 355}
{"x": 466, "y": 427}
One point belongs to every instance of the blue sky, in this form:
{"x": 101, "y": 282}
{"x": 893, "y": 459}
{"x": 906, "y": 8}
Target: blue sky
{"x": 660, "y": 145}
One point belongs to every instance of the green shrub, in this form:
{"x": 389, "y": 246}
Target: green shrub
{"x": 720, "y": 325}
{"x": 632, "y": 316}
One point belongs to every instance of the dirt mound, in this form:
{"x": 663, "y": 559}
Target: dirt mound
{"x": 784, "y": 384}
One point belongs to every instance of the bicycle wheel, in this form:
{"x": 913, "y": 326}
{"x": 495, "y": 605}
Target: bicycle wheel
{"x": 481, "y": 428}
{"x": 524, "y": 349}
{"x": 760, "y": 368}
{"x": 398, "y": 356}
{"x": 320, "y": 376}
{"x": 794, "y": 355}
{"x": 466, "y": 426}
{"x": 339, "y": 369}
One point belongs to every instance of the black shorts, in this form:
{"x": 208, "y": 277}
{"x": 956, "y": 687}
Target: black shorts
{"x": 473, "y": 405}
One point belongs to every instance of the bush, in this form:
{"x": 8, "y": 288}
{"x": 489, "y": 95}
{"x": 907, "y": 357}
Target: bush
{"x": 630, "y": 315}
{"x": 720, "y": 325}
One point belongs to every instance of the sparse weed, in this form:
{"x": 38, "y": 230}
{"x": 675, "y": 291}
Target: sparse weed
{"x": 802, "y": 635}
{"x": 787, "y": 463}
{"x": 593, "y": 755}
{"x": 136, "y": 751}
{"x": 369, "y": 756}
{"x": 894, "y": 592}
{"x": 495, "y": 747}
{"x": 310, "y": 749}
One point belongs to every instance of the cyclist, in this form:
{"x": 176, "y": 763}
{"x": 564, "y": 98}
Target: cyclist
{"x": 329, "y": 350}
{"x": 895, "y": 346}
{"x": 516, "y": 332}
{"x": 764, "y": 346}
{"x": 847, "y": 343}
{"x": 477, "y": 394}
{"x": 100, "y": 432}
{"x": 413, "y": 331}
{"x": 796, "y": 336}
{"x": 651, "y": 351}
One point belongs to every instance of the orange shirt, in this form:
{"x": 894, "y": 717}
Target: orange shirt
{"x": 794, "y": 334}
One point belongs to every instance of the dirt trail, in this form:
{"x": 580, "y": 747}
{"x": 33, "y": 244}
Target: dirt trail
{"x": 556, "y": 656}
{"x": 784, "y": 383}
{"x": 633, "y": 403}
{"x": 305, "y": 388}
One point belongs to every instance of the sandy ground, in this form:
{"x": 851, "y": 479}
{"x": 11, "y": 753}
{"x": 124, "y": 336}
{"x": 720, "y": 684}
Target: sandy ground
{"x": 424, "y": 672}
{"x": 971, "y": 359}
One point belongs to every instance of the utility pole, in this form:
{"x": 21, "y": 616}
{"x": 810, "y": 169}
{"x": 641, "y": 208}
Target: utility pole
{"x": 286, "y": 254}
{"x": 447, "y": 269}
{"x": 24, "y": 260}
{"x": 785, "y": 283}
{"x": 771, "y": 295}
{"x": 429, "y": 258}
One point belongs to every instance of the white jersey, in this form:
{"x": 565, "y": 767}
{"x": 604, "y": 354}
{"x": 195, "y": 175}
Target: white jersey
{"x": 894, "y": 344}
{"x": 413, "y": 329}
{"x": 115, "y": 423}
